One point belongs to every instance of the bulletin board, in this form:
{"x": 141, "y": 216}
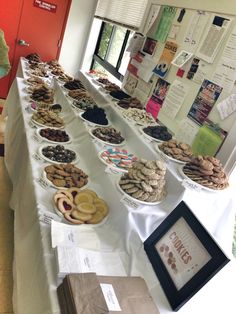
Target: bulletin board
{"x": 200, "y": 73}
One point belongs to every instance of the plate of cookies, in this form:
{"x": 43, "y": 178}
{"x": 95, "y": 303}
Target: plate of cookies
{"x": 44, "y": 117}
{"x": 80, "y": 207}
{"x": 118, "y": 159}
{"x": 52, "y": 135}
{"x": 57, "y": 154}
{"x": 205, "y": 171}
{"x": 175, "y": 151}
{"x": 107, "y": 135}
{"x": 144, "y": 182}
{"x": 156, "y": 133}
{"x": 64, "y": 176}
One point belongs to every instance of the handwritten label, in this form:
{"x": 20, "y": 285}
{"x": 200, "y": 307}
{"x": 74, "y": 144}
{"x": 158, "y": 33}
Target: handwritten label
{"x": 37, "y": 157}
{"x": 147, "y": 139}
{"x": 111, "y": 170}
{"x": 47, "y": 217}
{"x": 100, "y": 144}
{"x": 110, "y": 297}
{"x": 27, "y": 109}
{"x": 37, "y": 139}
{"x": 191, "y": 185}
{"x": 31, "y": 124}
{"x": 164, "y": 157}
{"x": 43, "y": 183}
{"x": 129, "y": 202}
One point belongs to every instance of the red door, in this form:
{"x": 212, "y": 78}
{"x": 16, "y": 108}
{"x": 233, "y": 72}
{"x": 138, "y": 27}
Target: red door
{"x": 9, "y": 21}
{"x": 41, "y": 27}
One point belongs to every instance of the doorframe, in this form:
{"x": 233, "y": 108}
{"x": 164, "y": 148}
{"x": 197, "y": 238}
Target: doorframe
{"x": 63, "y": 28}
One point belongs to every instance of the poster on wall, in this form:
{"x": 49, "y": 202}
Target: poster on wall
{"x": 167, "y": 56}
{"x": 207, "y": 95}
{"x": 165, "y": 23}
{"x": 149, "y": 46}
{"x": 197, "y": 71}
{"x": 159, "y": 94}
{"x": 141, "y": 66}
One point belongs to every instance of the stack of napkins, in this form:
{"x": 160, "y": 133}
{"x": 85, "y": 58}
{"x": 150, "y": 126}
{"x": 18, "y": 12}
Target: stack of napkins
{"x": 91, "y": 294}
{"x": 79, "y": 260}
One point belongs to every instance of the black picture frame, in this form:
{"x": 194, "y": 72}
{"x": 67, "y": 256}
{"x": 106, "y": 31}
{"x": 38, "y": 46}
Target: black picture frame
{"x": 179, "y": 289}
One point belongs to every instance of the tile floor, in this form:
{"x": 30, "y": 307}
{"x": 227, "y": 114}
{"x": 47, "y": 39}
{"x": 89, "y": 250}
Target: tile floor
{"x": 6, "y": 236}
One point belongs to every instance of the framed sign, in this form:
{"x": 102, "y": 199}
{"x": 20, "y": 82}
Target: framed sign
{"x": 183, "y": 254}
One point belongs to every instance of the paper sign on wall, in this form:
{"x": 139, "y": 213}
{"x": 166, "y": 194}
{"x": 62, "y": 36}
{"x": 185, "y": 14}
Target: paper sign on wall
{"x": 165, "y": 23}
{"x": 51, "y": 7}
{"x": 165, "y": 60}
{"x": 174, "y": 99}
{"x": 213, "y": 37}
{"x": 155, "y": 102}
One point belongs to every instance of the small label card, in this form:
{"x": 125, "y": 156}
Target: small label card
{"x": 191, "y": 185}
{"x": 129, "y": 202}
{"x": 110, "y": 297}
{"x": 146, "y": 139}
{"x": 47, "y": 217}
{"x": 37, "y": 157}
{"x": 31, "y": 124}
{"x": 37, "y": 139}
{"x": 164, "y": 157}
{"x": 27, "y": 109}
{"x": 43, "y": 183}
{"x": 100, "y": 144}
{"x": 111, "y": 170}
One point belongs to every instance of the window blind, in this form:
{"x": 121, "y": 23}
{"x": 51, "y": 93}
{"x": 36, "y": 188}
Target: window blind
{"x": 128, "y": 13}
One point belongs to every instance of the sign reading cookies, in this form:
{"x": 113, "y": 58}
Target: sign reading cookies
{"x": 182, "y": 253}
{"x": 51, "y": 7}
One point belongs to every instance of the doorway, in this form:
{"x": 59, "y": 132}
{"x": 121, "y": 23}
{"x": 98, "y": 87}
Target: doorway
{"x": 32, "y": 26}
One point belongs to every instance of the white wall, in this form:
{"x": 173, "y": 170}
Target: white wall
{"x": 76, "y": 34}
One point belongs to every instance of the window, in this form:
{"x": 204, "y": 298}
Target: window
{"x": 110, "y": 53}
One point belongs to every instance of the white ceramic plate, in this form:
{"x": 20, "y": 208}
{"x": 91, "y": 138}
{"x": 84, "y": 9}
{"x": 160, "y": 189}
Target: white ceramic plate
{"x": 111, "y": 165}
{"x": 148, "y": 136}
{"x": 107, "y": 143}
{"x": 142, "y": 123}
{"x": 184, "y": 176}
{"x": 92, "y": 123}
{"x": 53, "y": 161}
{"x": 37, "y": 131}
{"x": 169, "y": 157}
{"x": 135, "y": 199}
{"x": 44, "y": 175}
{"x": 44, "y": 125}
{"x": 60, "y": 214}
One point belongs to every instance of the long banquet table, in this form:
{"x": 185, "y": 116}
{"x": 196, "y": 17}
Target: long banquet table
{"x": 35, "y": 277}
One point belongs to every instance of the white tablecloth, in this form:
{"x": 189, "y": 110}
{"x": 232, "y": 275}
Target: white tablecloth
{"x": 35, "y": 278}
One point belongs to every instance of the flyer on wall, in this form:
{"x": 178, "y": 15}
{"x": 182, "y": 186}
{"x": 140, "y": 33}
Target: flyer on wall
{"x": 165, "y": 60}
{"x": 159, "y": 94}
{"x": 204, "y": 101}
